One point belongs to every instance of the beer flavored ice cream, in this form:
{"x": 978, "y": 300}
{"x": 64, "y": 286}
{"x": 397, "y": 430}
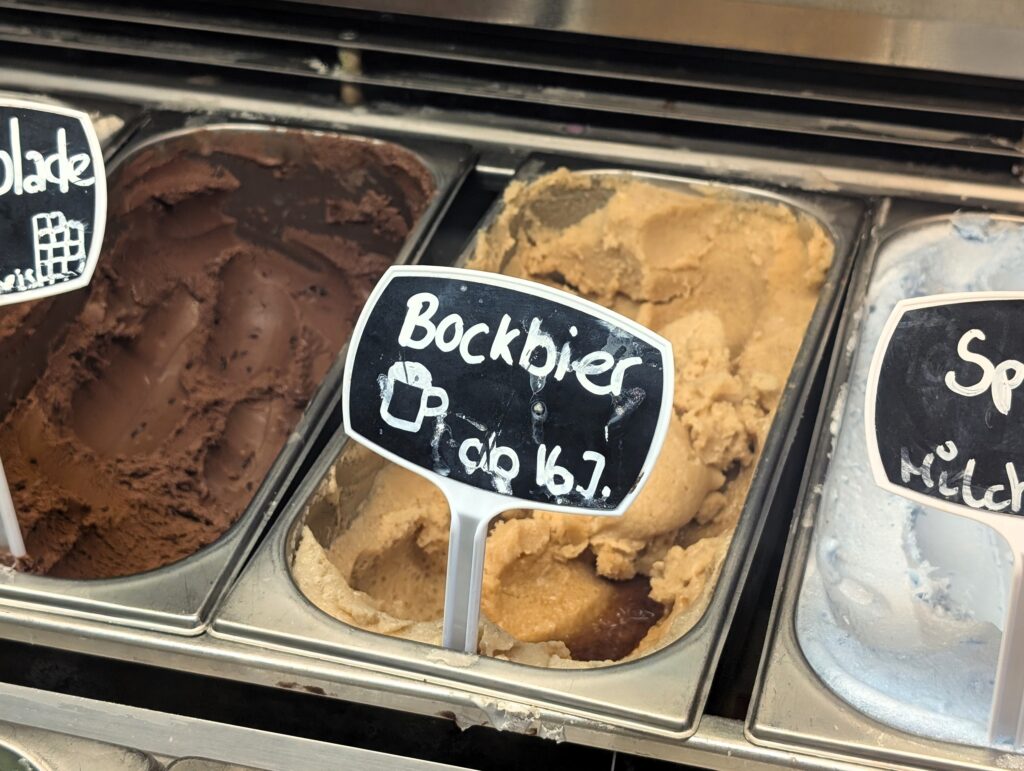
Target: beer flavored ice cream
{"x": 732, "y": 283}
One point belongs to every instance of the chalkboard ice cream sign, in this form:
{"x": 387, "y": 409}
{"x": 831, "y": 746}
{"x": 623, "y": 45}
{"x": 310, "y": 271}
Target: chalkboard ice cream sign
{"x": 944, "y": 416}
{"x": 506, "y": 394}
{"x": 52, "y": 200}
{"x": 53, "y": 209}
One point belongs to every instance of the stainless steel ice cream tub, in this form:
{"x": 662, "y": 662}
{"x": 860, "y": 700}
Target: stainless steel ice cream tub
{"x": 109, "y": 420}
{"x": 662, "y": 692}
{"x": 805, "y": 696}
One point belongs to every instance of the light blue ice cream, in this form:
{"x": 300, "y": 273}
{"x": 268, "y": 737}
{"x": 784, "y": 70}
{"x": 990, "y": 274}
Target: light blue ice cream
{"x": 901, "y": 608}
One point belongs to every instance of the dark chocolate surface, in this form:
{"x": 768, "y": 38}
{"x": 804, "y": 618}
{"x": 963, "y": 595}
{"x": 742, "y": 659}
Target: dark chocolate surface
{"x": 234, "y": 267}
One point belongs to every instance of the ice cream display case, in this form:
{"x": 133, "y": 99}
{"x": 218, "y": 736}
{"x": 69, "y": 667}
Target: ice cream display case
{"x": 198, "y": 520}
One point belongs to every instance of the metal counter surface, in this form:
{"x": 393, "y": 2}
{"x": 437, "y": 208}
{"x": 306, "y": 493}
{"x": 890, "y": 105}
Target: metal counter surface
{"x": 56, "y": 731}
{"x": 718, "y": 744}
{"x": 977, "y": 38}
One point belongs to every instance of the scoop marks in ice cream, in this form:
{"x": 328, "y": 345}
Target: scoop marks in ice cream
{"x": 142, "y": 414}
{"x": 732, "y": 283}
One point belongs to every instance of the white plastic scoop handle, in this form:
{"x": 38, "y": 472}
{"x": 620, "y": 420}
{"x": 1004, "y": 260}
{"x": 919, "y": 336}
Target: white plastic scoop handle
{"x": 1006, "y": 719}
{"x": 466, "y": 546}
{"x": 10, "y": 531}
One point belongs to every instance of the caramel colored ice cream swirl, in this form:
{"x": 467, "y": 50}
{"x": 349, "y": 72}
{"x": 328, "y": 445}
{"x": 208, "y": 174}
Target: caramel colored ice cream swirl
{"x": 732, "y": 283}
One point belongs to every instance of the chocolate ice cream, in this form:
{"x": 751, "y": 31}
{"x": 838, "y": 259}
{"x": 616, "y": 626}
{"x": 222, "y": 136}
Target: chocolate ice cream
{"x": 236, "y": 262}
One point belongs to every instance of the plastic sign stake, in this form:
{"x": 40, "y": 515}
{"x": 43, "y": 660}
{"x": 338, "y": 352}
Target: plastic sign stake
{"x": 945, "y": 428}
{"x": 10, "y": 531}
{"x": 506, "y": 394}
{"x": 53, "y": 210}
{"x": 53, "y": 200}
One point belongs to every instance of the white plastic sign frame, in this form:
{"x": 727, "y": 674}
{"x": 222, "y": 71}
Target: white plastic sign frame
{"x": 473, "y": 508}
{"x": 10, "y": 534}
{"x": 99, "y": 202}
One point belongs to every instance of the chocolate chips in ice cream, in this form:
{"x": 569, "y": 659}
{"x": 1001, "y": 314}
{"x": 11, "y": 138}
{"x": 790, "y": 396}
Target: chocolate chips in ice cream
{"x": 138, "y": 428}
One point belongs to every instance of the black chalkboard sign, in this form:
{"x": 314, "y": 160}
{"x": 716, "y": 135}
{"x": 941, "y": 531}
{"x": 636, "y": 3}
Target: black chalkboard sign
{"x": 53, "y": 200}
{"x": 945, "y": 411}
{"x": 506, "y": 394}
{"x": 508, "y": 387}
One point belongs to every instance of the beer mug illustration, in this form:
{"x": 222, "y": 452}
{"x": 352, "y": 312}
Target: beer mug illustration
{"x": 412, "y": 378}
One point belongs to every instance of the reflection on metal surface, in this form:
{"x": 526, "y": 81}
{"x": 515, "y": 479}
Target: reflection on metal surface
{"x": 27, "y": 748}
{"x": 976, "y": 38}
{"x": 202, "y": 764}
{"x": 13, "y": 760}
{"x": 586, "y": 81}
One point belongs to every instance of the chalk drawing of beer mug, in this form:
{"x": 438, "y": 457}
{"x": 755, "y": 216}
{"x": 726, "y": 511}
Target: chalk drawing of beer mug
{"x": 415, "y": 376}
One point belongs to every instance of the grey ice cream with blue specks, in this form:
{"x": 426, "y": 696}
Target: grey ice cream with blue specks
{"x": 901, "y": 607}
